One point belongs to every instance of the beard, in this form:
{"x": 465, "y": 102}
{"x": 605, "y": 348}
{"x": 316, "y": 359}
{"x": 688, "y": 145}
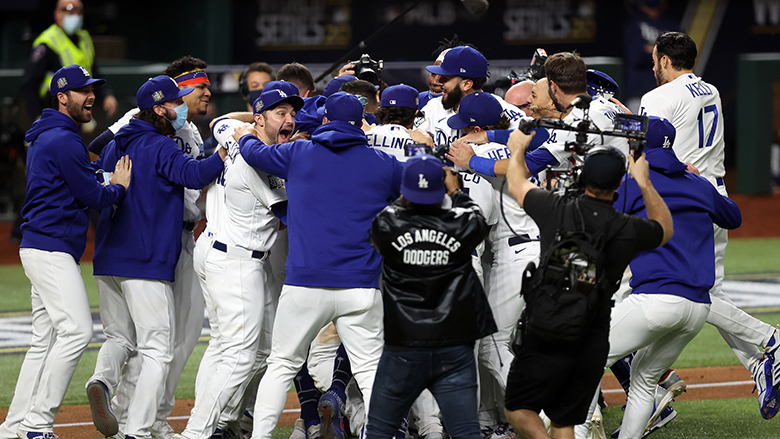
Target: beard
{"x": 452, "y": 99}
{"x": 76, "y": 112}
{"x": 660, "y": 78}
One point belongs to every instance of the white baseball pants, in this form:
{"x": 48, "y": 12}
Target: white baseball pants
{"x": 62, "y": 329}
{"x": 241, "y": 305}
{"x": 303, "y": 311}
{"x": 137, "y": 314}
{"x": 659, "y": 326}
{"x": 189, "y": 311}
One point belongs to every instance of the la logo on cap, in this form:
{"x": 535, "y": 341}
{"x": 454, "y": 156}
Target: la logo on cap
{"x": 84, "y": 71}
{"x": 282, "y": 94}
{"x": 158, "y": 96}
{"x": 62, "y": 82}
{"x": 422, "y": 183}
{"x": 462, "y": 70}
{"x": 667, "y": 143}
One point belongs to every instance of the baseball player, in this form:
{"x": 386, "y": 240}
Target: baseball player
{"x": 137, "y": 247}
{"x": 670, "y": 299}
{"x": 189, "y": 73}
{"x": 332, "y": 270}
{"x": 514, "y": 241}
{"x": 463, "y": 71}
{"x": 694, "y": 108}
{"x": 243, "y": 305}
{"x": 61, "y": 186}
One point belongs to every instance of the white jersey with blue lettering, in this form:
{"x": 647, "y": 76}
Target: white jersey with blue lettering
{"x": 520, "y": 222}
{"x": 694, "y": 108}
{"x": 602, "y": 114}
{"x": 434, "y": 120}
{"x": 190, "y": 142}
{"x": 249, "y": 222}
{"x": 390, "y": 138}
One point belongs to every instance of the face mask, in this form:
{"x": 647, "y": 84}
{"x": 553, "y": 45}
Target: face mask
{"x": 181, "y": 116}
{"x": 72, "y": 23}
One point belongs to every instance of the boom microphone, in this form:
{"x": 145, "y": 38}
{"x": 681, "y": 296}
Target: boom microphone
{"x": 581, "y": 101}
{"x": 476, "y": 7}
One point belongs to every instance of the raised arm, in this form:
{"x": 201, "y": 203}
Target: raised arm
{"x": 655, "y": 205}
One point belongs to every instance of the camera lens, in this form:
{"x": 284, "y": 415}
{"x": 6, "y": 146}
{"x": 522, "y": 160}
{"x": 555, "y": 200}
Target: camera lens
{"x": 369, "y": 75}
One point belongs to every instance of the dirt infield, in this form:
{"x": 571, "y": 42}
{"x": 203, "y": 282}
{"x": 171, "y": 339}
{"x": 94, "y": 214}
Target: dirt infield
{"x": 74, "y": 422}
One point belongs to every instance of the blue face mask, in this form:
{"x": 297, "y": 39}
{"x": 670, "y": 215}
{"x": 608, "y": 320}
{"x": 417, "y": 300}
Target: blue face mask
{"x": 181, "y": 116}
{"x": 72, "y": 23}
{"x": 253, "y": 95}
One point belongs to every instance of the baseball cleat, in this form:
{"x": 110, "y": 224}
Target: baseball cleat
{"x": 299, "y": 430}
{"x": 162, "y": 430}
{"x": 666, "y": 417}
{"x": 100, "y": 404}
{"x": 246, "y": 425}
{"x": 768, "y": 401}
{"x": 486, "y": 431}
{"x": 597, "y": 426}
{"x": 503, "y": 431}
{"x": 662, "y": 400}
{"x": 37, "y": 435}
{"x": 674, "y": 384}
{"x": 331, "y": 409}
{"x": 773, "y": 352}
{"x": 313, "y": 431}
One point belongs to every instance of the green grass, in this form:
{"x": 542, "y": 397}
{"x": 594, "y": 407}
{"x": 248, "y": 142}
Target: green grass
{"x": 722, "y": 419}
{"x": 753, "y": 255}
{"x": 15, "y": 287}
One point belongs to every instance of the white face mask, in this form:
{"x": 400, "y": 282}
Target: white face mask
{"x": 72, "y": 23}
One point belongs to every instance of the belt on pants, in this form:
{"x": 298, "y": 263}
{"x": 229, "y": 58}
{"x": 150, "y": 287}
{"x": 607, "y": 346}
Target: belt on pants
{"x": 237, "y": 251}
{"x": 189, "y": 225}
{"x": 521, "y": 239}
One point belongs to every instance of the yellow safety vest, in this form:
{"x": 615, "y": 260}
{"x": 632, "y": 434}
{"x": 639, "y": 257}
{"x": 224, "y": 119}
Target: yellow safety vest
{"x": 56, "y": 39}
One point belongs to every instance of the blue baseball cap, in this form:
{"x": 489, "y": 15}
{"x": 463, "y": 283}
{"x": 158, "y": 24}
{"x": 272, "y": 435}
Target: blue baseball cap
{"x": 400, "y": 95}
{"x": 285, "y": 86}
{"x": 335, "y": 84}
{"x": 660, "y": 133}
{"x": 422, "y": 181}
{"x": 462, "y": 61}
{"x": 71, "y": 77}
{"x": 476, "y": 109}
{"x": 159, "y": 89}
{"x": 599, "y": 83}
{"x": 270, "y": 97}
{"x": 344, "y": 107}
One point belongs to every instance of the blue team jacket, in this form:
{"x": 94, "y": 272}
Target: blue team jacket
{"x": 61, "y": 187}
{"x": 684, "y": 266}
{"x": 336, "y": 185}
{"x": 141, "y": 236}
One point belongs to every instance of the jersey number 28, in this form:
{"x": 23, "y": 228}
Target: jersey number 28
{"x": 702, "y": 114}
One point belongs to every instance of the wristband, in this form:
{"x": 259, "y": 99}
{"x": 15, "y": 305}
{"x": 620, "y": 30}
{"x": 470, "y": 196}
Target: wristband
{"x": 455, "y": 191}
{"x": 482, "y": 166}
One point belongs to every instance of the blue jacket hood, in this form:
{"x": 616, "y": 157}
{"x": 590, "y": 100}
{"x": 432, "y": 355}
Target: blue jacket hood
{"x": 338, "y": 134}
{"x": 133, "y": 130}
{"x": 308, "y": 119}
{"x": 49, "y": 119}
{"x": 664, "y": 161}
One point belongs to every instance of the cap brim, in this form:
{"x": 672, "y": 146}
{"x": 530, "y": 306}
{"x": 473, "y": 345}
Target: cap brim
{"x": 427, "y": 197}
{"x": 456, "y": 123}
{"x": 96, "y": 81}
{"x": 437, "y": 70}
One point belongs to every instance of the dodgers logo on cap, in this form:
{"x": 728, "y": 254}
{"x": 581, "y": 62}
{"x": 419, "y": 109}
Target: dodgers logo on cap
{"x": 422, "y": 181}
{"x": 70, "y": 78}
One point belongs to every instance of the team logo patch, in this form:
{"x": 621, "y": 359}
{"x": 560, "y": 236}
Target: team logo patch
{"x": 667, "y": 143}
{"x": 259, "y": 106}
{"x": 275, "y": 182}
{"x": 422, "y": 183}
{"x": 392, "y": 101}
{"x": 158, "y": 96}
{"x": 62, "y": 82}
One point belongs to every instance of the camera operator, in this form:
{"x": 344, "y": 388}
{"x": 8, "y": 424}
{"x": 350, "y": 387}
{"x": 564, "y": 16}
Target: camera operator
{"x": 434, "y": 304}
{"x": 542, "y": 372}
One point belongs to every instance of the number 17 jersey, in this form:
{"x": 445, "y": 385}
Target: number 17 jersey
{"x": 695, "y": 110}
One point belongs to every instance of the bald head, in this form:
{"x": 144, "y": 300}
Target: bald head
{"x": 519, "y": 94}
{"x": 541, "y": 103}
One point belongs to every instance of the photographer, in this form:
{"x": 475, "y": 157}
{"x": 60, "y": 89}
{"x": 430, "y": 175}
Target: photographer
{"x": 542, "y": 371}
{"x": 434, "y": 304}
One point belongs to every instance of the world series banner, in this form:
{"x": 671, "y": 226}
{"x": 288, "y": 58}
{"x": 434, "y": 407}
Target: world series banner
{"x": 321, "y": 30}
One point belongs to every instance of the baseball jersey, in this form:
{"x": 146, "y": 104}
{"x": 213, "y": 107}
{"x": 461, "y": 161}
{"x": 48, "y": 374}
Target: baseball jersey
{"x": 391, "y": 139}
{"x": 602, "y": 115}
{"x": 699, "y": 139}
{"x": 249, "y": 194}
{"x": 189, "y": 141}
{"x": 434, "y": 120}
{"x": 518, "y": 219}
